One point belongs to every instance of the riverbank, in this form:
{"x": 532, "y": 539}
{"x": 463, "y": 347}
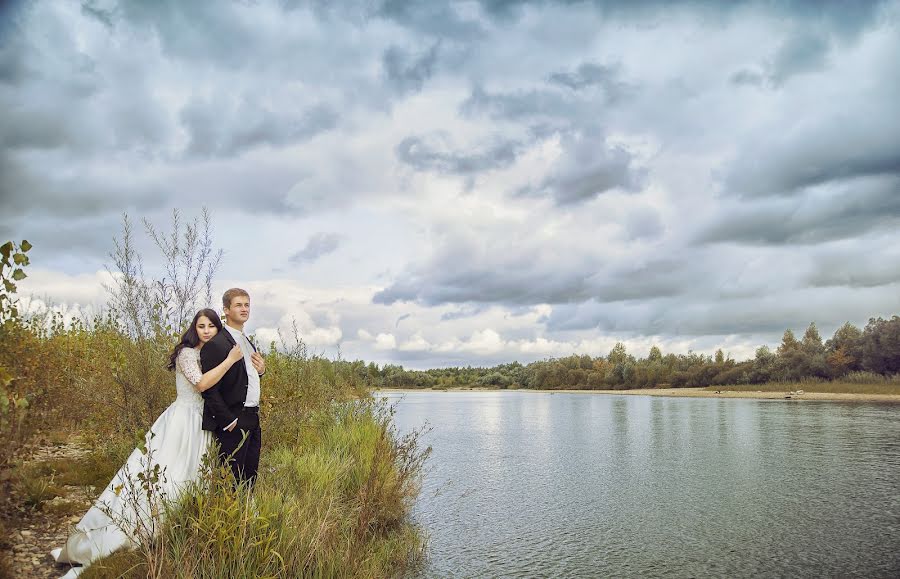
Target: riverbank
{"x": 335, "y": 503}
{"x": 694, "y": 393}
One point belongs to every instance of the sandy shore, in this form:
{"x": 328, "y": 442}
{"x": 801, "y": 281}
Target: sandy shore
{"x": 690, "y": 393}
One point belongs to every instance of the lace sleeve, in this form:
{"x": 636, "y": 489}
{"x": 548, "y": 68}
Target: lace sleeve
{"x": 189, "y": 364}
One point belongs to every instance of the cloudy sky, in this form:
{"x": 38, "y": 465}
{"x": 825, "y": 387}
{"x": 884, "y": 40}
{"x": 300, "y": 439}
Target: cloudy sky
{"x": 477, "y": 182}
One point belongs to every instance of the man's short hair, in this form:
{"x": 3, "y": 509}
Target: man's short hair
{"x": 231, "y": 294}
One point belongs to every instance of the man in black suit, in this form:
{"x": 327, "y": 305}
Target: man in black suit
{"x": 231, "y": 406}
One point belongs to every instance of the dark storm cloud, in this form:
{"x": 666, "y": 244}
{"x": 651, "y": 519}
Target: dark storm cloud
{"x": 462, "y": 312}
{"x": 806, "y": 168}
{"x": 486, "y": 285}
{"x": 48, "y": 193}
{"x": 857, "y": 269}
{"x": 588, "y": 167}
{"x": 644, "y": 223}
{"x": 14, "y": 67}
{"x": 58, "y": 96}
{"x": 564, "y": 98}
{"x": 523, "y": 104}
{"x": 848, "y": 210}
{"x": 520, "y": 275}
{"x": 607, "y": 170}
{"x": 512, "y": 275}
{"x": 319, "y": 245}
{"x": 573, "y": 104}
{"x": 432, "y": 154}
{"x": 88, "y": 239}
{"x": 87, "y": 132}
{"x": 748, "y": 77}
{"x": 226, "y": 129}
{"x": 759, "y": 315}
{"x": 833, "y": 143}
{"x": 92, "y": 9}
{"x": 589, "y": 75}
{"x": 217, "y": 33}
{"x": 844, "y": 18}
{"x": 802, "y": 53}
{"x": 433, "y": 19}
{"x": 657, "y": 279}
{"x": 406, "y": 71}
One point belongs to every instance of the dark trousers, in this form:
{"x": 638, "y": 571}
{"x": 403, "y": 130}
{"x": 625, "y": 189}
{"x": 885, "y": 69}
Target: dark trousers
{"x": 242, "y": 453}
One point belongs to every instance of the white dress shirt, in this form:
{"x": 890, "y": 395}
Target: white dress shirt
{"x": 252, "y": 375}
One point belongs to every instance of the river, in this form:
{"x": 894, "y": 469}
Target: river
{"x": 528, "y": 484}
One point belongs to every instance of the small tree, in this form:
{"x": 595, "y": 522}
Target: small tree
{"x": 12, "y": 263}
{"x": 812, "y": 341}
{"x": 190, "y": 265}
{"x": 13, "y": 403}
{"x": 845, "y": 350}
{"x": 148, "y": 306}
{"x": 789, "y": 343}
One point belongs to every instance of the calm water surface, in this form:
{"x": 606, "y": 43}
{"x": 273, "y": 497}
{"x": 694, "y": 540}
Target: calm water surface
{"x": 526, "y": 484}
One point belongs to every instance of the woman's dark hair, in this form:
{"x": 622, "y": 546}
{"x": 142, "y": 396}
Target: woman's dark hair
{"x": 190, "y": 338}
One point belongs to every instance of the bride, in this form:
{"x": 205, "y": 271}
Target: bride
{"x": 175, "y": 446}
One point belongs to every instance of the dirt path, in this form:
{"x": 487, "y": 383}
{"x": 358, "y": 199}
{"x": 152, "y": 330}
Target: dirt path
{"x": 30, "y": 533}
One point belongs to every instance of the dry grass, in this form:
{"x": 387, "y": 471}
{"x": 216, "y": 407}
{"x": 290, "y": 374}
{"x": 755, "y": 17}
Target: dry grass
{"x": 119, "y": 565}
{"x": 37, "y": 489}
{"x": 64, "y": 508}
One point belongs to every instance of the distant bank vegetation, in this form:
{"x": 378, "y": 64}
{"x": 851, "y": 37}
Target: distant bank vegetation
{"x": 852, "y": 355}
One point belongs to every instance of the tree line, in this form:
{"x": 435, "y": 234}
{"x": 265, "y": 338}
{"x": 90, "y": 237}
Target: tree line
{"x": 870, "y": 354}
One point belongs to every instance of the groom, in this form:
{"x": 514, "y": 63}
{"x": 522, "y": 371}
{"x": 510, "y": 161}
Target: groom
{"x": 231, "y": 406}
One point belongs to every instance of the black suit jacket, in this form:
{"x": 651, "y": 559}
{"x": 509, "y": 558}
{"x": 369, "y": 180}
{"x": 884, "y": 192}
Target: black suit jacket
{"x": 224, "y": 400}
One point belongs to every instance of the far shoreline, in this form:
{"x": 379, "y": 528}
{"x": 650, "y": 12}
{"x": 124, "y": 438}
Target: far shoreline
{"x": 684, "y": 393}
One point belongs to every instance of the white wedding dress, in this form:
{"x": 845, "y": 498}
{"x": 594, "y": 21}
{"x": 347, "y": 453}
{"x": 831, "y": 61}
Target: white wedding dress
{"x": 176, "y": 442}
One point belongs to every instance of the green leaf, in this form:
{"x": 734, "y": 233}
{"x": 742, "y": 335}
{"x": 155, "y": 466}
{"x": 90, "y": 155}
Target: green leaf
{"x": 5, "y": 377}
{"x": 9, "y": 286}
{"x": 20, "y": 259}
{"x": 25, "y": 245}
{"x": 6, "y": 249}
{"x": 19, "y": 275}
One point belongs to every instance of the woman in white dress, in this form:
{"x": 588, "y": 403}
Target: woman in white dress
{"x": 175, "y": 442}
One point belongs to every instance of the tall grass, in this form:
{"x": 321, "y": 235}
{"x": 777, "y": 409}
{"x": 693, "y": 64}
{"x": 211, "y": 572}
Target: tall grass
{"x": 336, "y": 482}
{"x": 334, "y": 503}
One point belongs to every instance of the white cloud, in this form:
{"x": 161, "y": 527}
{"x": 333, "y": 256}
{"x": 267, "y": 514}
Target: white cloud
{"x": 385, "y": 342}
{"x": 415, "y": 344}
